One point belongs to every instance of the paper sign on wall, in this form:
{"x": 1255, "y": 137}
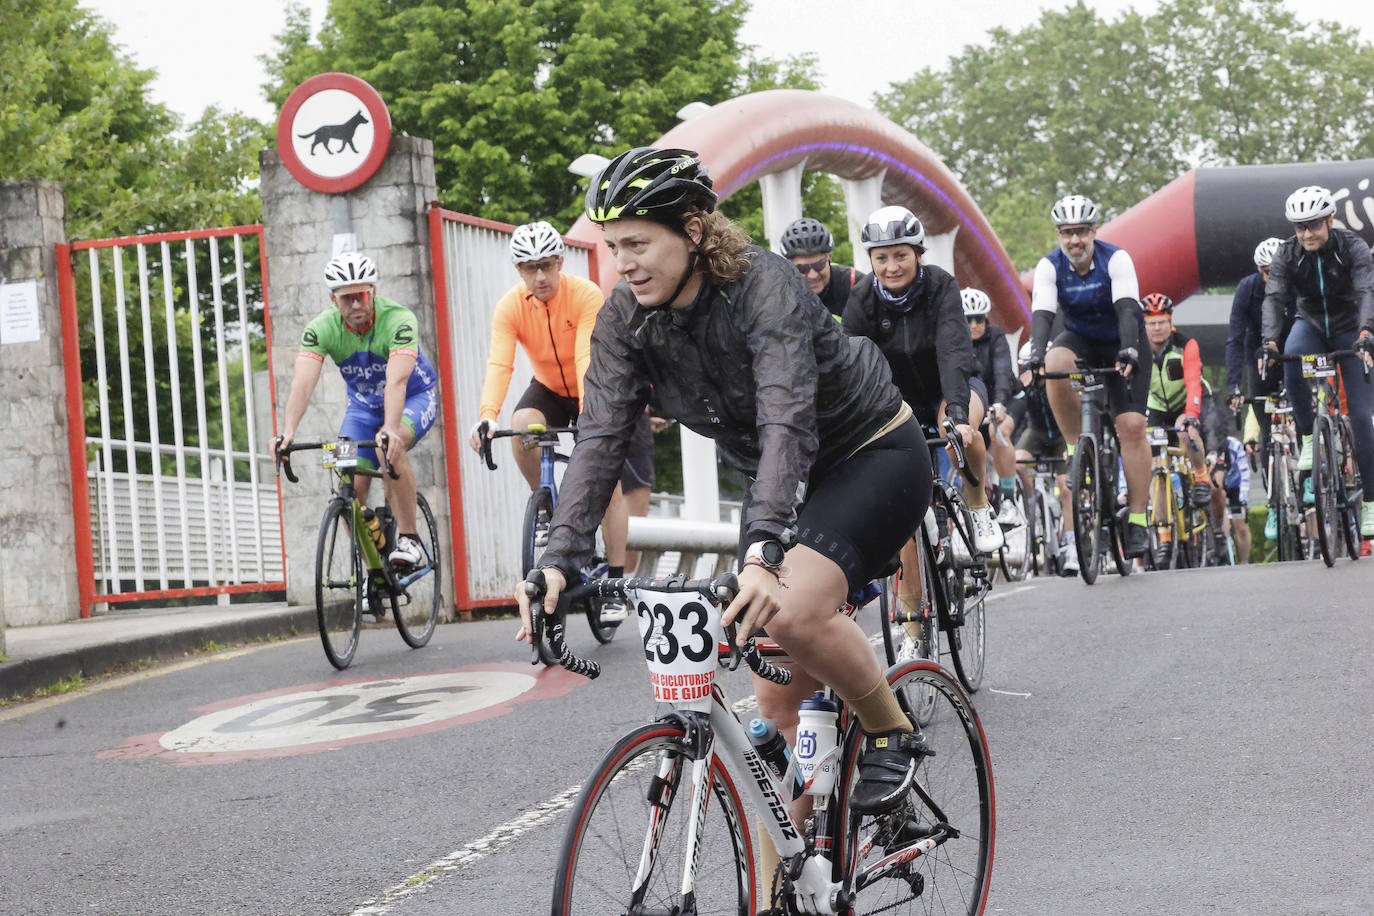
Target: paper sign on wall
{"x": 19, "y": 312}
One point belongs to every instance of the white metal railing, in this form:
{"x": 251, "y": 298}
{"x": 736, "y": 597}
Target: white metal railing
{"x": 185, "y": 317}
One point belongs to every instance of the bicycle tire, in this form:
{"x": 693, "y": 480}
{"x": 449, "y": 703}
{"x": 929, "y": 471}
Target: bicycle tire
{"x": 954, "y": 876}
{"x": 921, "y": 640}
{"x": 1161, "y": 520}
{"x": 603, "y": 843}
{"x": 1114, "y": 520}
{"x": 340, "y": 585}
{"x": 1086, "y": 520}
{"x": 965, "y": 627}
{"x": 417, "y": 618}
{"x": 538, "y": 514}
{"x": 1352, "y": 489}
{"x": 1037, "y": 557}
{"x": 1014, "y": 554}
{"x": 1324, "y": 485}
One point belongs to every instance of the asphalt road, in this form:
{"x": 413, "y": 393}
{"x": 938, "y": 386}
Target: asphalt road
{"x": 1169, "y": 743}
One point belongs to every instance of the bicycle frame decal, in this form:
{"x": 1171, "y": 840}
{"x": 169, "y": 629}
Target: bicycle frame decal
{"x": 679, "y": 632}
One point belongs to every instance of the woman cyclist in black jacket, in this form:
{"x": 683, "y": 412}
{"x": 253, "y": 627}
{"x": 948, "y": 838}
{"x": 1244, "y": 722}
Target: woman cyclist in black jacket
{"x": 726, "y": 337}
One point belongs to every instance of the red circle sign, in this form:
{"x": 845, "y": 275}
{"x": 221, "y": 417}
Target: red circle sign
{"x": 333, "y": 132}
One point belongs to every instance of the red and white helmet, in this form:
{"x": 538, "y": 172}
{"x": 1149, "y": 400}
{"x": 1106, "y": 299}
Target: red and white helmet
{"x": 1157, "y": 304}
{"x": 535, "y": 241}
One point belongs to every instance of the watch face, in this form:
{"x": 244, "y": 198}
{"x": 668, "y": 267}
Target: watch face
{"x": 773, "y": 553}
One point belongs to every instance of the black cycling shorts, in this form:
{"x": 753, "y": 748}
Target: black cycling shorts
{"x": 862, "y": 510}
{"x": 1123, "y": 395}
{"x": 1041, "y": 447}
{"x": 557, "y": 410}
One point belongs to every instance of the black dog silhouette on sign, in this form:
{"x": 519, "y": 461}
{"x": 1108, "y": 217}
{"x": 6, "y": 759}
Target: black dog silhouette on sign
{"x": 341, "y": 132}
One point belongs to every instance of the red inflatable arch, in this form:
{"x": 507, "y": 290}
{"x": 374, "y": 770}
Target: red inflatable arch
{"x": 755, "y": 135}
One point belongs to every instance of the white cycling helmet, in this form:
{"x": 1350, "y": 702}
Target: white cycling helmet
{"x": 535, "y": 241}
{"x": 1074, "y": 210}
{"x": 1307, "y": 203}
{"x": 349, "y": 268}
{"x": 892, "y": 226}
{"x": 1264, "y": 251}
{"x": 976, "y": 303}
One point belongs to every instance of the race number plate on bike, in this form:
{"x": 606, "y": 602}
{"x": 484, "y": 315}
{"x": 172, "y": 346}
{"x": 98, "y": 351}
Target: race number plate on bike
{"x": 679, "y": 632}
{"x": 1274, "y": 405}
{"x": 341, "y": 454}
{"x": 1046, "y": 467}
{"x": 1317, "y": 365}
{"x": 1084, "y": 382}
{"x": 1159, "y": 435}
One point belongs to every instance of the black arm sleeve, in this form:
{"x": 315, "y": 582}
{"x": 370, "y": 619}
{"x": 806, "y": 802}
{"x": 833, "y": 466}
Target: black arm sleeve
{"x": 1042, "y": 321}
{"x": 1003, "y": 382}
{"x": 1128, "y": 322}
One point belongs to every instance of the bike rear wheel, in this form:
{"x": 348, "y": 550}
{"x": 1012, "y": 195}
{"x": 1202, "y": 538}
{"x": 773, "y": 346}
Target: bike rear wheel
{"x": 340, "y": 585}
{"x": 416, "y": 610}
{"x": 1352, "y": 488}
{"x": 1324, "y": 483}
{"x": 952, "y": 805}
{"x": 1086, "y": 511}
{"x": 630, "y": 802}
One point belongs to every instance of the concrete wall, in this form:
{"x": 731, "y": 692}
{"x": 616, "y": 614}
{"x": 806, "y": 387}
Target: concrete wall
{"x": 388, "y": 215}
{"x": 38, "y": 571}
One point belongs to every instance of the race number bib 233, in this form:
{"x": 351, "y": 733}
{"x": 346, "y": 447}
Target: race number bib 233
{"x": 679, "y": 632}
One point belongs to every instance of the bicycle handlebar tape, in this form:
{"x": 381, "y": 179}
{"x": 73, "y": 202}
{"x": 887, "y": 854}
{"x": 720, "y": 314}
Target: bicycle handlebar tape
{"x": 764, "y": 668}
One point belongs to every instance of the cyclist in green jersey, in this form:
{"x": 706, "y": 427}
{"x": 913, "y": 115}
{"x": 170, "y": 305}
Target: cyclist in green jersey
{"x": 392, "y": 387}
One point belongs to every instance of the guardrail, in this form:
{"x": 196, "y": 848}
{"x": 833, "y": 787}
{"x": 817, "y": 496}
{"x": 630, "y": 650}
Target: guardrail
{"x": 668, "y": 546}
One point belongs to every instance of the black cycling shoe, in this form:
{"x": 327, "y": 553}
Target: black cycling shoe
{"x": 887, "y": 769}
{"x": 1202, "y": 492}
{"x": 1136, "y": 541}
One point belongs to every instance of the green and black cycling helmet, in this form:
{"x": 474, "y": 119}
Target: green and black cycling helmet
{"x": 649, "y": 183}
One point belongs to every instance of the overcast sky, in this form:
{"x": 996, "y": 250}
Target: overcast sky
{"x": 871, "y": 44}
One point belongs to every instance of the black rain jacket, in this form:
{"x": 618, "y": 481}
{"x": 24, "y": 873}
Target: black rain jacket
{"x": 758, "y": 365}
{"x": 992, "y": 364}
{"x": 1334, "y": 285}
{"x": 928, "y": 345}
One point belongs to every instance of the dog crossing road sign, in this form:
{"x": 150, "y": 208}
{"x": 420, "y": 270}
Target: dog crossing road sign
{"x": 333, "y": 132}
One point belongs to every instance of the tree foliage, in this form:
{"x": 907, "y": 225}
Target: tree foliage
{"x": 511, "y": 91}
{"x": 1117, "y": 109}
{"x": 77, "y": 111}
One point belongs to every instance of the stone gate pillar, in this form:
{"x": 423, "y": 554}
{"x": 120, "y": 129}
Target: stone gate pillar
{"x": 387, "y": 214}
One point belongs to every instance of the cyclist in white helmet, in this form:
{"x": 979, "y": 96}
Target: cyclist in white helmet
{"x": 1093, "y": 285}
{"x": 992, "y": 364}
{"x": 550, "y": 315}
{"x": 1243, "y": 341}
{"x": 392, "y": 387}
{"x": 1327, "y": 269}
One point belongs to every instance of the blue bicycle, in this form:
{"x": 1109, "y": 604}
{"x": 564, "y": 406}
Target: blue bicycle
{"x": 538, "y": 517}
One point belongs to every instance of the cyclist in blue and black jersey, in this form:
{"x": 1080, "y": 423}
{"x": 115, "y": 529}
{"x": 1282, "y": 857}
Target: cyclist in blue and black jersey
{"x": 1094, "y": 285}
{"x": 808, "y": 244}
{"x": 1328, "y": 270}
{"x": 392, "y": 387}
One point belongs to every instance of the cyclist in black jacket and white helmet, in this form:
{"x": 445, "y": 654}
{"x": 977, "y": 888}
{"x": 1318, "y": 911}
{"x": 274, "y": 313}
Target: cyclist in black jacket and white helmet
{"x": 726, "y": 337}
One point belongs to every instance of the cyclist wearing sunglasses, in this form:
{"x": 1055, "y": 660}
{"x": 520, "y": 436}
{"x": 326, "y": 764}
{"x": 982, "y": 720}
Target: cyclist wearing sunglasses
{"x": 1327, "y": 268}
{"x": 808, "y": 244}
{"x": 726, "y": 337}
{"x": 1093, "y": 284}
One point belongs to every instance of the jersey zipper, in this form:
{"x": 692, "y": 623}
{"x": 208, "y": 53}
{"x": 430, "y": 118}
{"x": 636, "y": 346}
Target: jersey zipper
{"x": 548, "y": 321}
{"x": 1321, "y": 285}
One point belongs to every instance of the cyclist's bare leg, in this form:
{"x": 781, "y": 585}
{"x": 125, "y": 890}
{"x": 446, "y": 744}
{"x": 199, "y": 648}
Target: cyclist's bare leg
{"x": 1003, "y": 453}
{"x": 976, "y": 452}
{"x": 526, "y": 457}
{"x": 400, "y": 493}
{"x": 1023, "y": 471}
{"x": 1135, "y": 457}
{"x": 829, "y": 646}
{"x": 910, "y": 588}
{"x": 782, "y": 704}
{"x": 615, "y": 526}
{"x": 1063, "y": 399}
{"x": 636, "y": 504}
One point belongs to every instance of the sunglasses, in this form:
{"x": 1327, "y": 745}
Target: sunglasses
{"x": 1068, "y": 232}
{"x": 1311, "y": 225}
{"x": 813, "y": 266}
{"x": 531, "y": 268}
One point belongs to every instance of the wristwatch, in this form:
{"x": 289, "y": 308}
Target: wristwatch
{"x": 770, "y": 553}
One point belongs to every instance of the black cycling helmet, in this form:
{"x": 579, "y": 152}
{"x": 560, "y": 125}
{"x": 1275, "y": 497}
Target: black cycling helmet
{"x": 806, "y": 236}
{"x": 657, "y": 184}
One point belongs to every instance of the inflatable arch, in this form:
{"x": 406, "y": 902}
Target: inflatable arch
{"x": 755, "y": 135}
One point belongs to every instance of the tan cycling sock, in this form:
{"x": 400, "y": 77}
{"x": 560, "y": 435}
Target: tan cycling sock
{"x": 879, "y": 711}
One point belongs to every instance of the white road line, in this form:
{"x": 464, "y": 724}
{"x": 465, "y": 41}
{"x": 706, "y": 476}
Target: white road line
{"x": 1008, "y": 693}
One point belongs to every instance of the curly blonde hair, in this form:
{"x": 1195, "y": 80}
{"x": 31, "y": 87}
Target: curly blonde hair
{"x": 724, "y": 246}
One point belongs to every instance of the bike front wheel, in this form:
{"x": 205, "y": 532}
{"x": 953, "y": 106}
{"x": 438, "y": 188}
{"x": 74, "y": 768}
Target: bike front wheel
{"x": 416, "y": 609}
{"x": 933, "y": 854}
{"x": 1324, "y": 483}
{"x": 627, "y": 837}
{"x": 340, "y": 585}
{"x": 1086, "y": 511}
{"x": 535, "y": 534}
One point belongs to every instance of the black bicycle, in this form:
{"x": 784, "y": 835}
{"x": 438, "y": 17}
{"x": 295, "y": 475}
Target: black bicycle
{"x": 1279, "y": 468}
{"x": 1098, "y": 525}
{"x": 1336, "y": 485}
{"x": 351, "y": 570}
{"x": 539, "y": 508}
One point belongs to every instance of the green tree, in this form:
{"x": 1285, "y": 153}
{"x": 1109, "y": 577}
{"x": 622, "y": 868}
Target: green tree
{"x": 511, "y": 91}
{"x": 1117, "y": 109}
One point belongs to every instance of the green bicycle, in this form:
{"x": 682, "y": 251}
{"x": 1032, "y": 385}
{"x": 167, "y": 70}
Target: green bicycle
{"x": 351, "y": 575}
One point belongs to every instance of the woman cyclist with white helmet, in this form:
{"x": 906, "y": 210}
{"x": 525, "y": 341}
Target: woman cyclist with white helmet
{"x": 392, "y": 387}
{"x": 913, "y": 311}
{"x": 726, "y": 337}
{"x": 992, "y": 364}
